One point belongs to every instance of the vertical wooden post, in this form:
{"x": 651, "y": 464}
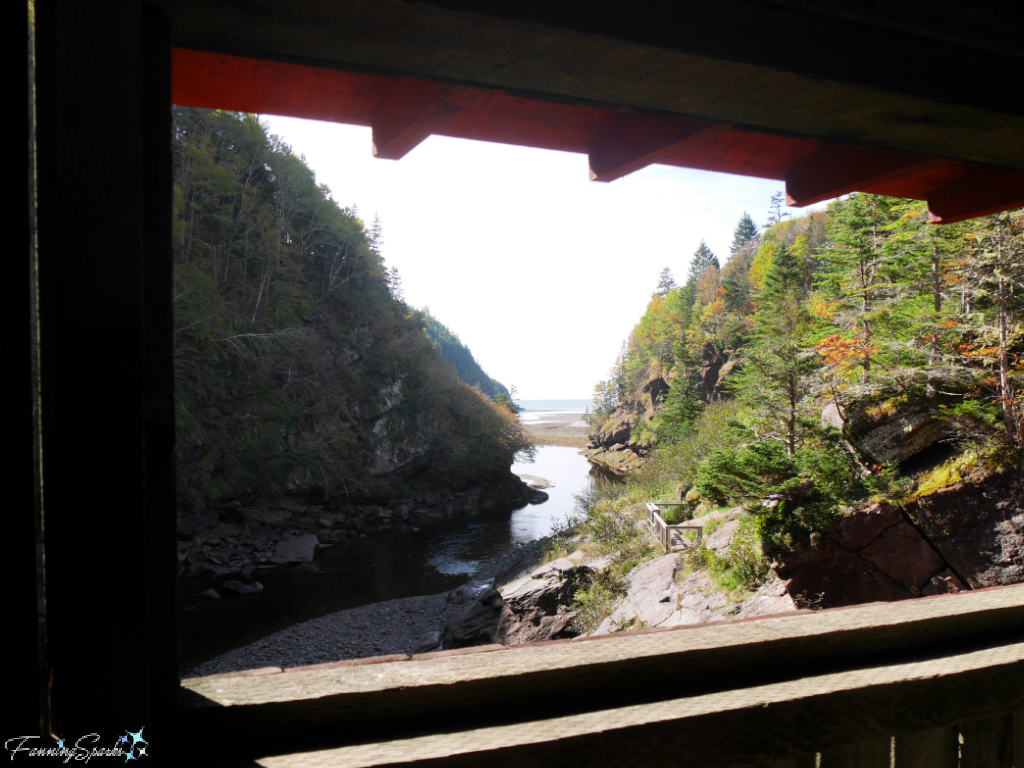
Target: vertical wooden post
{"x": 873, "y": 753}
{"x": 22, "y": 690}
{"x": 158, "y": 315}
{"x": 92, "y": 364}
{"x": 935, "y": 748}
{"x": 988, "y": 743}
{"x": 1018, "y": 739}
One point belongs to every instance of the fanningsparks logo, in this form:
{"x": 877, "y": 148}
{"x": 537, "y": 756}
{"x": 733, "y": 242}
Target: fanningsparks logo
{"x": 130, "y": 746}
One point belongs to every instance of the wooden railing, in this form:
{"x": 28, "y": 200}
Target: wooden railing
{"x": 670, "y": 536}
{"x": 936, "y": 682}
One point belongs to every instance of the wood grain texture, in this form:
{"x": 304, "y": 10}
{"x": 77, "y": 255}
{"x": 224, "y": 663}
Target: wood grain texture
{"x": 547, "y": 54}
{"x": 92, "y": 361}
{"x": 988, "y": 743}
{"x": 747, "y": 726}
{"x": 873, "y": 753}
{"x": 934, "y": 748}
{"x": 21, "y": 613}
{"x": 528, "y": 683}
{"x": 159, "y": 507}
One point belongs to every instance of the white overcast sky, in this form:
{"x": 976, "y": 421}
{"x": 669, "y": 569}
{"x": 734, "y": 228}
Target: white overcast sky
{"x": 541, "y": 272}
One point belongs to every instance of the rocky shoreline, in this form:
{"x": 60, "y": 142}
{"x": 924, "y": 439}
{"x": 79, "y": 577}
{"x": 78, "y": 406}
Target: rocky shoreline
{"x": 238, "y": 541}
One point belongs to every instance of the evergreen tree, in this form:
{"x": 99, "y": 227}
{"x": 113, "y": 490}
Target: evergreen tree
{"x": 665, "y": 283}
{"x": 746, "y": 231}
{"x": 775, "y": 212}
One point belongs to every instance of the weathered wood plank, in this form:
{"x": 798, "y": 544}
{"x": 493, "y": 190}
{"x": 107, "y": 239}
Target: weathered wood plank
{"x": 1018, "y": 739}
{"x": 158, "y": 502}
{"x": 933, "y": 748}
{"x": 978, "y": 192}
{"x": 750, "y": 725}
{"x": 523, "y": 683}
{"x": 872, "y": 753}
{"x": 987, "y": 743}
{"x": 19, "y": 525}
{"x": 92, "y": 361}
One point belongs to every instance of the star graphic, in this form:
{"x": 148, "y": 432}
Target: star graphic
{"x": 129, "y": 756}
{"x": 60, "y": 744}
{"x": 137, "y": 737}
{"x": 142, "y": 751}
{"x": 124, "y": 739}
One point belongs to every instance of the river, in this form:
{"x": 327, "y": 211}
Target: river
{"x": 358, "y": 572}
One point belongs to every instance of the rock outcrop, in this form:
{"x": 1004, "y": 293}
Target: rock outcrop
{"x": 871, "y": 554}
{"x": 978, "y": 528}
{"x": 895, "y": 431}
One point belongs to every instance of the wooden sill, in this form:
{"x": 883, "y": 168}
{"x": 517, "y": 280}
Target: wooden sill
{"x": 973, "y": 637}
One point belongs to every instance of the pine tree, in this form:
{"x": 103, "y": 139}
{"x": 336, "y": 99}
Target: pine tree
{"x": 665, "y": 283}
{"x": 746, "y": 231}
{"x": 775, "y": 212}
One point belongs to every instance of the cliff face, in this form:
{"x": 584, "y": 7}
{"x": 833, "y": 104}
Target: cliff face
{"x": 300, "y": 370}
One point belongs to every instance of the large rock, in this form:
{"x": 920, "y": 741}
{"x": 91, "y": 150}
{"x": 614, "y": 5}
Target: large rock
{"x": 651, "y": 597}
{"x": 896, "y": 432}
{"x": 299, "y": 548}
{"x": 477, "y": 625}
{"x": 978, "y": 528}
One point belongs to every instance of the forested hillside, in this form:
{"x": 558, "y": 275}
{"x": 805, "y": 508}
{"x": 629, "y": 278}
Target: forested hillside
{"x": 459, "y": 355}
{"x": 299, "y": 367}
{"x": 850, "y": 356}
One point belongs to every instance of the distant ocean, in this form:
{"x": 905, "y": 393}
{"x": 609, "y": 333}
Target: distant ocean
{"x": 555, "y": 405}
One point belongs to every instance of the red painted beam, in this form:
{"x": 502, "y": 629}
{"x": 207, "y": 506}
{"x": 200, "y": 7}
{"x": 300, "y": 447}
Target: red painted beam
{"x": 833, "y": 171}
{"x": 978, "y": 192}
{"x": 411, "y": 110}
{"x": 403, "y": 112}
{"x": 627, "y": 143}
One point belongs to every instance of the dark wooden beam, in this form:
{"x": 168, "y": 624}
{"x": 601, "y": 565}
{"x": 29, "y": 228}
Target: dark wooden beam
{"x": 22, "y": 692}
{"x": 92, "y": 364}
{"x": 158, "y": 502}
{"x": 627, "y": 143}
{"x": 411, "y": 110}
{"x": 750, "y": 65}
{"x": 978, "y": 192}
{"x": 833, "y": 171}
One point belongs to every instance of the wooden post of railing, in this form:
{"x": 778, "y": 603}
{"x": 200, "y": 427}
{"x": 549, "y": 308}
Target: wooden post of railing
{"x": 874, "y": 753}
{"x": 988, "y": 743}
{"x": 934, "y": 748}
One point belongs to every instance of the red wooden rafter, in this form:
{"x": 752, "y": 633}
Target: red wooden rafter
{"x": 404, "y": 112}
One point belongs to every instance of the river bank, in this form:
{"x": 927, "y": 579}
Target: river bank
{"x": 378, "y": 629}
{"x": 567, "y": 429}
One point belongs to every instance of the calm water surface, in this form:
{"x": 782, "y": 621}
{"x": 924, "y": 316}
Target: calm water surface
{"x": 397, "y": 564}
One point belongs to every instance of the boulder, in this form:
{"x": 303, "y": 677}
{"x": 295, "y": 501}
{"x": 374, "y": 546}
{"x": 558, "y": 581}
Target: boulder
{"x": 831, "y": 418}
{"x": 944, "y": 583}
{"x": 477, "y": 625}
{"x": 239, "y": 588}
{"x": 298, "y": 548}
{"x": 427, "y": 643}
{"x": 896, "y": 432}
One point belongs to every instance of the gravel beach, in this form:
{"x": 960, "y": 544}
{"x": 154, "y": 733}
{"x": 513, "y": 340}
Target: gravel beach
{"x": 378, "y": 629}
{"x": 555, "y": 428}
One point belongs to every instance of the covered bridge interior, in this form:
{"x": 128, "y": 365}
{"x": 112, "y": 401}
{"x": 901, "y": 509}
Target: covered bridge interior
{"x": 911, "y": 99}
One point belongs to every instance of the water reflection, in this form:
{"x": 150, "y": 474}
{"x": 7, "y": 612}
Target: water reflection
{"x": 399, "y": 564}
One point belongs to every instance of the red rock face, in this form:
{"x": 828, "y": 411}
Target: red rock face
{"x": 858, "y": 529}
{"x": 902, "y": 553}
{"x": 978, "y": 529}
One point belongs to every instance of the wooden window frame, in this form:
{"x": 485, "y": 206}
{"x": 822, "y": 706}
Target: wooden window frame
{"x": 832, "y": 678}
